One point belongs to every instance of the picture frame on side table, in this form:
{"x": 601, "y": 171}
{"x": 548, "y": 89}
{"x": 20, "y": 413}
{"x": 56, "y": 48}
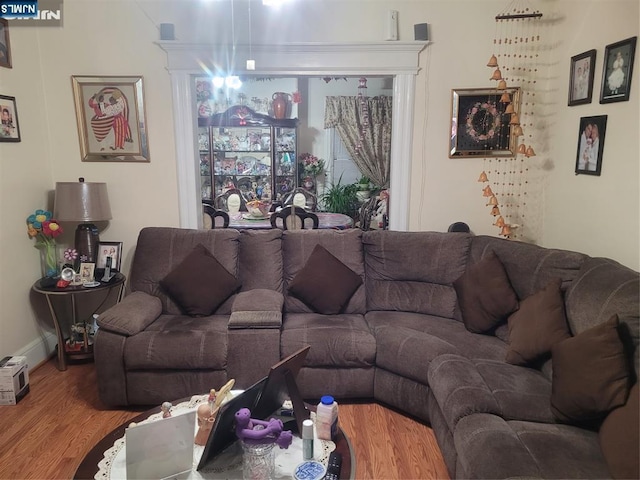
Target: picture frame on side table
{"x": 109, "y": 249}
{"x": 581, "y": 78}
{"x": 5, "y": 45}
{"x": 479, "y": 125}
{"x": 616, "y": 71}
{"x": 9, "y": 125}
{"x": 87, "y": 272}
{"x": 590, "y": 145}
{"x": 111, "y": 118}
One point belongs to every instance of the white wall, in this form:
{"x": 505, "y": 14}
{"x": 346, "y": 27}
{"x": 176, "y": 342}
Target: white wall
{"x": 597, "y": 215}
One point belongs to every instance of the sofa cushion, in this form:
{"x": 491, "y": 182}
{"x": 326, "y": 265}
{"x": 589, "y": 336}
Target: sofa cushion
{"x": 325, "y": 283}
{"x": 485, "y": 295}
{"x": 199, "y": 284}
{"x": 590, "y": 374}
{"x": 537, "y": 325}
{"x": 619, "y": 438}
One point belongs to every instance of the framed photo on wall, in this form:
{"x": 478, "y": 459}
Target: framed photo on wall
{"x": 590, "y": 145}
{"x": 479, "y": 125}
{"x": 111, "y": 119}
{"x": 5, "y": 46}
{"x": 109, "y": 249}
{"x": 9, "y": 126}
{"x": 581, "y": 78}
{"x": 617, "y": 70}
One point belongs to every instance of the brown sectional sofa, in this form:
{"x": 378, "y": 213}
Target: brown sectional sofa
{"x": 400, "y": 338}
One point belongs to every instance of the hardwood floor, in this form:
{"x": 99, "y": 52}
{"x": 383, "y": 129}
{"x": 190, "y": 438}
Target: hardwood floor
{"x": 48, "y": 433}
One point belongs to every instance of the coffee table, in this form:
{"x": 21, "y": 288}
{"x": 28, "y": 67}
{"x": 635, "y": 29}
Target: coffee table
{"x": 89, "y": 467}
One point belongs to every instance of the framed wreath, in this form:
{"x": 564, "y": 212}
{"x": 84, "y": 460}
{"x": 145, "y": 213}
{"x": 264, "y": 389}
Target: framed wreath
{"x": 479, "y": 126}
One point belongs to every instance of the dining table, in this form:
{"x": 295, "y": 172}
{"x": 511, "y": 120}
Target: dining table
{"x": 327, "y": 220}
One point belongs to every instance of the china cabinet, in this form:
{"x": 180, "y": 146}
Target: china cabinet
{"x": 250, "y": 151}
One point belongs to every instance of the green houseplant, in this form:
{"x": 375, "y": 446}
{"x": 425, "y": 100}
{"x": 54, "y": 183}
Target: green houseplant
{"x": 340, "y": 198}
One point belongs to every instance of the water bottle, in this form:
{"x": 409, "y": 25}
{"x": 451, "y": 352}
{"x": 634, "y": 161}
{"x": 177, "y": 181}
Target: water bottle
{"x": 327, "y": 418}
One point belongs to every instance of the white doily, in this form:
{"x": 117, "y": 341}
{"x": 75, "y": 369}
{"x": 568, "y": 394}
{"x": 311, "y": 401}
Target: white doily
{"x": 227, "y": 465}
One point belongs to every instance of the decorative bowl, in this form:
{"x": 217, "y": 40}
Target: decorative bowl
{"x": 258, "y": 208}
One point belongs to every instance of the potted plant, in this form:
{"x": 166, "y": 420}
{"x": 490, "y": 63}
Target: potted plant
{"x": 339, "y": 198}
{"x": 363, "y": 189}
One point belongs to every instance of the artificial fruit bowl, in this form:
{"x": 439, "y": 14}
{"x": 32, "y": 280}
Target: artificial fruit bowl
{"x": 258, "y": 209}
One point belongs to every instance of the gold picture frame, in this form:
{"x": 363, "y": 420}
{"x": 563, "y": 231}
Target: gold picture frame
{"x": 111, "y": 118}
{"x": 479, "y": 125}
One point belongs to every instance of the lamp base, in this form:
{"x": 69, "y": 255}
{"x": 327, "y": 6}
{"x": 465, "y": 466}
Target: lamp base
{"x": 87, "y": 240}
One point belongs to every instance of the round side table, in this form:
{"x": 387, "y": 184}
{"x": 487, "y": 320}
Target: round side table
{"x": 85, "y": 350}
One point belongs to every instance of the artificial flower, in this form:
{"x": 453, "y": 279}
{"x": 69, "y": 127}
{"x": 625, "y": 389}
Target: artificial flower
{"x": 44, "y": 229}
{"x": 311, "y": 164}
{"x": 70, "y": 254}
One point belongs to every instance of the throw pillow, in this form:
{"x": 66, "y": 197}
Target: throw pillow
{"x": 199, "y": 284}
{"x": 485, "y": 295}
{"x": 537, "y": 325}
{"x": 590, "y": 374}
{"x": 325, "y": 283}
{"x": 620, "y": 438}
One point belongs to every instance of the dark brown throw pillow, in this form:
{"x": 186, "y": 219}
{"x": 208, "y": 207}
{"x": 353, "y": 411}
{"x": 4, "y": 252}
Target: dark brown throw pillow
{"x": 199, "y": 284}
{"x": 590, "y": 374}
{"x": 485, "y": 295}
{"x": 620, "y": 438}
{"x": 325, "y": 283}
{"x": 537, "y": 325}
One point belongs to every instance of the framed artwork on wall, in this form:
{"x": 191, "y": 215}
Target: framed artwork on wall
{"x": 617, "y": 70}
{"x": 9, "y": 126}
{"x": 479, "y": 125}
{"x": 109, "y": 249}
{"x": 5, "y": 46}
{"x": 111, "y": 119}
{"x": 581, "y": 78}
{"x": 590, "y": 145}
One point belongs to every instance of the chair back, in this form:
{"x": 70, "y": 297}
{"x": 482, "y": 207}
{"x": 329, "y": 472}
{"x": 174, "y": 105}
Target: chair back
{"x": 294, "y": 218}
{"x": 213, "y": 218}
{"x": 231, "y": 201}
{"x": 302, "y": 198}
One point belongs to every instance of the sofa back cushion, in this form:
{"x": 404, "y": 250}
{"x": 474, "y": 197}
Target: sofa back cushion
{"x": 161, "y": 249}
{"x": 345, "y": 245}
{"x": 414, "y": 271}
{"x": 261, "y": 259}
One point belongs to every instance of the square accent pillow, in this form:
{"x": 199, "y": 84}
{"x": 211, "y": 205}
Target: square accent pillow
{"x": 199, "y": 284}
{"x": 537, "y": 325}
{"x": 325, "y": 284}
{"x": 620, "y": 438}
{"x": 590, "y": 374}
{"x": 485, "y": 295}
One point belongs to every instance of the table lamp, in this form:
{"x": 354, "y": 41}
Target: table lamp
{"x": 84, "y": 202}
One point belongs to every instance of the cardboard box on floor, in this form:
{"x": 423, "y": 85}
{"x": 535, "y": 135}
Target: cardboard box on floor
{"x": 14, "y": 380}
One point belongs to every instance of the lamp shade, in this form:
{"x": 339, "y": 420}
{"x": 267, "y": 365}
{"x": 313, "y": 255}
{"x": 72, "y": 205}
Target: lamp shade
{"x": 81, "y": 202}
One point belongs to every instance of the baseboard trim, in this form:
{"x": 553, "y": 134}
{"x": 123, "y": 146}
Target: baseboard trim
{"x": 39, "y": 350}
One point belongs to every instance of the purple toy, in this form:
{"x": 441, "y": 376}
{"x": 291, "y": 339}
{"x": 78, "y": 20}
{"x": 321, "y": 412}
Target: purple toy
{"x": 253, "y": 431}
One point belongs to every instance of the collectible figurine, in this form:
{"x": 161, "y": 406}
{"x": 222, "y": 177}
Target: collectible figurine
{"x": 251, "y": 430}
{"x": 206, "y": 412}
{"x": 166, "y": 409}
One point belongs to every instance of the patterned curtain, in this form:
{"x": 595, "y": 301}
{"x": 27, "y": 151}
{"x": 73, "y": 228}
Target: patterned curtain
{"x": 370, "y": 145}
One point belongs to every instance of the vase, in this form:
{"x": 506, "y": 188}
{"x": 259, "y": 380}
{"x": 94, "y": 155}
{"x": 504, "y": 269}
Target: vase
{"x": 258, "y": 461}
{"x": 280, "y": 104}
{"x": 49, "y": 260}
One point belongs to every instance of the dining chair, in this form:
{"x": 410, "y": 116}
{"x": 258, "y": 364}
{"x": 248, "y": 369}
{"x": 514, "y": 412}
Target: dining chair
{"x": 302, "y": 198}
{"x": 231, "y": 201}
{"x": 294, "y": 218}
{"x": 214, "y": 218}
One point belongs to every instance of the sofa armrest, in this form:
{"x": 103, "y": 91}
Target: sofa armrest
{"x": 258, "y": 308}
{"x": 132, "y": 315}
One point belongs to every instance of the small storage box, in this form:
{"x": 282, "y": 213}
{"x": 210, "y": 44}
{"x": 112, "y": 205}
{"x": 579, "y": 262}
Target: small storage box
{"x": 14, "y": 380}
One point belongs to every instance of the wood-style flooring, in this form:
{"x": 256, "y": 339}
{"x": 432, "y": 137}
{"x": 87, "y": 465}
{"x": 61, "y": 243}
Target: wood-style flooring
{"x": 48, "y": 433}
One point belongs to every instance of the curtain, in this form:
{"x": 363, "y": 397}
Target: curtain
{"x": 369, "y": 145}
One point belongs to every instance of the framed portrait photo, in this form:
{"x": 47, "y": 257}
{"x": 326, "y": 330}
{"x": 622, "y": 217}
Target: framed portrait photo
{"x": 480, "y": 122}
{"x": 112, "y": 125}
{"x": 581, "y": 78}
{"x": 617, "y": 70}
{"x": 87, "y": 272}
{"x": 5, "y": 46}
{"x": 108, "y": 250}
{"x": 9, "y": 126}
{"x": 590, "y": 145}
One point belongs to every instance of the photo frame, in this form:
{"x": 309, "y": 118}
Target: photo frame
{"x": 616, "y": 71}
{"x": 479, "y": 125}
{"x": 581, "y": 78}
{"x": 111, "y": 118}
{"x": 5, "y": 45}
{"x": 9, "y": 125}
{"x": 590, "y": 145}
{"x": 109, "y": 249}
{"x": 87, "y": 272}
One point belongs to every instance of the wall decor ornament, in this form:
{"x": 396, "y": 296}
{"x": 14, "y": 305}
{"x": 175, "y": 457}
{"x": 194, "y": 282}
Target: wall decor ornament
{"x": 111, "y": 118}
{"x": 616, "y": 71}
{"x": 5, "y": 46}
{"x": 581, "y": 78}
{"x": 9, "y": 126}
{"x": 590, "y": 145}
